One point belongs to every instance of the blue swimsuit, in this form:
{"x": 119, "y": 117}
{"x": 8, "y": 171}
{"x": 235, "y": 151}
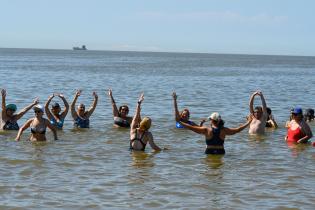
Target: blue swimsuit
{"x": 82, "y": 123}
{"x": 59, "y": 124}
{"x": 178, "y": 125}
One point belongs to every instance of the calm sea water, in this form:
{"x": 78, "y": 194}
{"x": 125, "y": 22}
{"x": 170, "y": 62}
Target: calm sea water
{"x": 93, "y": 169}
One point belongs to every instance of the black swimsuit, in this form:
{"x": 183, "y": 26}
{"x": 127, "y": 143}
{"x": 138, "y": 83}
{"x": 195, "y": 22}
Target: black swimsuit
{"x": 215, "y": 141}
{"x": 138, "y": 139}
{"x": 10, "y": 126}
{"x": 121, "y": 122}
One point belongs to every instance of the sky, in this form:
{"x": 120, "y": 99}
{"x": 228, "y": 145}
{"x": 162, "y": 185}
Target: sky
{"x": 273, "y": 27}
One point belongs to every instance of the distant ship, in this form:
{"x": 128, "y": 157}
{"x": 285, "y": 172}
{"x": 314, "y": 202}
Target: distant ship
{"x": 80, "y": 48}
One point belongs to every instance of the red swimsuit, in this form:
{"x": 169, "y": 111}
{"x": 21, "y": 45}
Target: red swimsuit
{"x": 295, "y": 135}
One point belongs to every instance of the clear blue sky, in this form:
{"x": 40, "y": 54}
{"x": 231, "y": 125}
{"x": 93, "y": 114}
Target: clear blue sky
{"x": 284, "y": 27}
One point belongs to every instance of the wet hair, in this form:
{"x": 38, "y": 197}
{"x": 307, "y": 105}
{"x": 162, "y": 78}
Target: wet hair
{"x": 220, "y": 123}
{"x": 268, "y": 111}
{"x": 122, "y": 106}
{"x": 309, "y": 114}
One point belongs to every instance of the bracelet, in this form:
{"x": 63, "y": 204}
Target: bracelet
{"x": 139, "y": 102}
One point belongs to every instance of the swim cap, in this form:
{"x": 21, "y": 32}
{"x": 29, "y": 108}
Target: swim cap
{"x": 145, "y": 123}
{"x": 11, "y": 106}
{"x": 55, "y": 105}
{"x": 215, "y": 116}
{"x": 39, "y": 107}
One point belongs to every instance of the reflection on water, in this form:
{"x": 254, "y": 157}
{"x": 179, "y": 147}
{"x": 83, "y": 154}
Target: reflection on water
{"x": 214, "y": 161}
{"x": 93, "y": 168}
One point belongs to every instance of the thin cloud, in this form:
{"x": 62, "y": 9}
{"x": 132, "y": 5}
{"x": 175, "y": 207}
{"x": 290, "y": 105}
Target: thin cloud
{"x": 225, "y": 16}
{"x": 128, "y": 47}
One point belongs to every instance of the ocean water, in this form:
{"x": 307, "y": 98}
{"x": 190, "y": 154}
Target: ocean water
{"x": 93, "y": 169}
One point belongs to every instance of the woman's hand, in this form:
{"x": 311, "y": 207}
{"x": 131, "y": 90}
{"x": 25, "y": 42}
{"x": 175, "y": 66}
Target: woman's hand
{"x": 78, "y": 93}
{"x": 141, "y": 98}
{"x": 174, "y": 96}
{"x": 36, "y": 101}
{"x": 110, "y": 93}
{"x": 61, "y": 96}
{"x": 3, "y": 93}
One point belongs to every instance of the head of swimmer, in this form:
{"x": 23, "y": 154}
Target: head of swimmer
{"x": 145, "y": 124}
{"x": 55, "y": 109}
{"x": 258, "y": 112}
{"x": 184, "y": 115}
{"x": 123, "y": 111}
{"x": 10, "y": 109}
{"x": 81, "y": 109}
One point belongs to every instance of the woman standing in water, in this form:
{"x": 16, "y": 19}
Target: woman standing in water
{"x": 56, "y": 118}
{"x": 121, "y": 118}
{"x": 298, "y": 130}
{"x": 8, "y": 117}
{"x": 81, "y": 117}
{"x": 139, "y": 130}
{"x": 215, "y": 134}
{"x": 184, "y": 114}
{"x": 38, "y": 126}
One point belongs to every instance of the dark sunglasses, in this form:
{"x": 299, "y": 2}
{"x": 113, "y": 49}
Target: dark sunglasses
{"x": 38, "y": 111}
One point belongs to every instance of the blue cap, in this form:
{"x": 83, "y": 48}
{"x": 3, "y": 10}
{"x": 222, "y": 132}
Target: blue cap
{"x": 297, "y": 110}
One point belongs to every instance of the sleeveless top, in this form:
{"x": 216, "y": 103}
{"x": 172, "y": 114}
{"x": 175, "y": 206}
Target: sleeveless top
{"x": 215, "y": 140}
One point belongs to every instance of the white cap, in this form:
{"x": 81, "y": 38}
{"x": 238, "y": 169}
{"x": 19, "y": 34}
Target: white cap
{"x": 39, "y": 107}
{"x": 215, "y": 116}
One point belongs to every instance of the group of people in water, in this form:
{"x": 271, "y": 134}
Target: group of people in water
{"x": 259, "y": 118}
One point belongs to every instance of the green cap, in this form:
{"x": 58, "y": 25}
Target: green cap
{"x": 11, "y": 106}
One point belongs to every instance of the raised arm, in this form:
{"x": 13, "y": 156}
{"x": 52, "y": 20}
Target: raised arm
{"x": 48, "y": 113}
{"x": 65, "y": 102}
{"x": 114, "y": 106}
{"x": 194, "y": 128}
{"x": 73, "y": 111}
{"x": 136, "y": 118}
{"x": 26, "y": 109}
{"x": 93, "y": 106}
{"x": 263, "y": 102}
{"x": 176, "y": 112}
{"x": 232, "y": 131}
{"x": 152, "y": 143}
{"x": 251, "y": 102}
{"x": 25, "y": 126}
{"x": 3, "y": 112}
{"x": 52, "y": 128}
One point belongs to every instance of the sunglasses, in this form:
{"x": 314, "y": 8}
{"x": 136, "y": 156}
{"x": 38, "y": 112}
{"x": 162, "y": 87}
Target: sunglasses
{"x": 38, "y": 111}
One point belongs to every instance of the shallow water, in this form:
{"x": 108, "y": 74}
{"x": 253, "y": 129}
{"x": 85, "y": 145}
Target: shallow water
{"x": 93, "y": 169}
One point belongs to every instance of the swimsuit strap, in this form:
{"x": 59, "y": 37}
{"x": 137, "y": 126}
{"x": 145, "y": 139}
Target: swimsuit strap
{"x": 139, "y": 139}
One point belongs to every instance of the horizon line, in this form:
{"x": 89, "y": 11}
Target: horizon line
{"x": 144, "y": 51}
